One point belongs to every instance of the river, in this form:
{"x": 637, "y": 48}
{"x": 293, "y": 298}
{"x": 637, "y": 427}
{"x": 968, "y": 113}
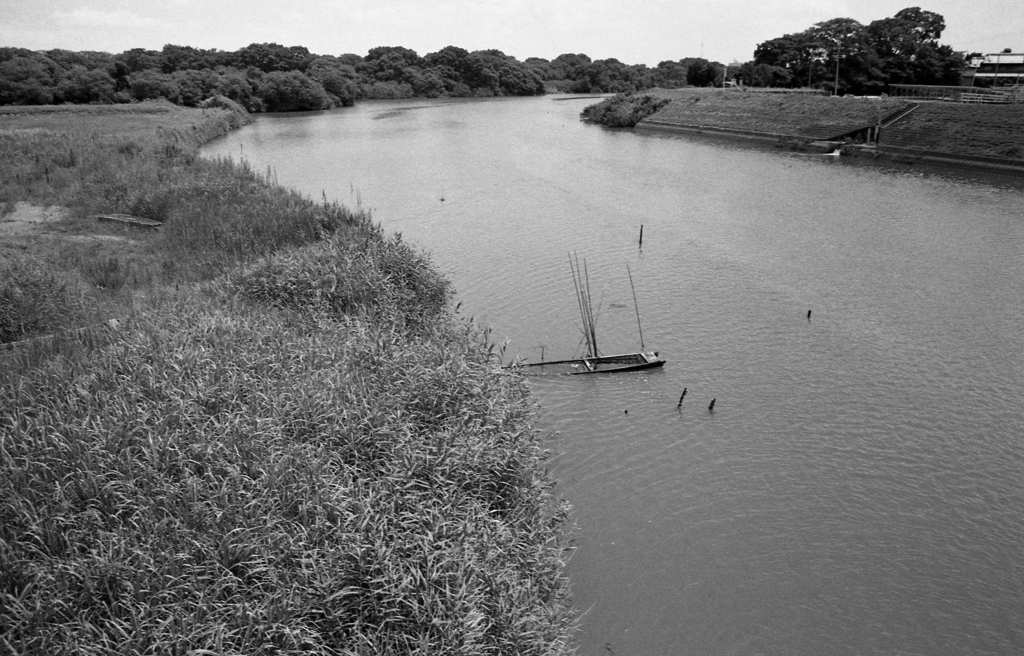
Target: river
{"x": 858, "y": 487}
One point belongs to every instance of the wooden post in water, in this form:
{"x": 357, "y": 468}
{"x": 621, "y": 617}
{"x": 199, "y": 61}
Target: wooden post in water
{"x": 641, "y": 235}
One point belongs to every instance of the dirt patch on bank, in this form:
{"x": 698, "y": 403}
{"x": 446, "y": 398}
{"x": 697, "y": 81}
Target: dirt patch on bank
{"x": 38, "y": 232}
{"x": 27, "y": 219}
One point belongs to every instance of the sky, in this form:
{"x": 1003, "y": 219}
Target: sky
{"x": 634, "y": 32}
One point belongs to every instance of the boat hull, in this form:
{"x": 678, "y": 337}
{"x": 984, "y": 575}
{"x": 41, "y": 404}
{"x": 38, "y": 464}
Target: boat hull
{"x": 598, "y": 365}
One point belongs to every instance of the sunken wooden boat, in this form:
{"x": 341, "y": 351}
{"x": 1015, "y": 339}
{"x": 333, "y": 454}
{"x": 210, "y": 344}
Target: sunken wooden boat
{"x": 593, "y": 362}
{"x": 601, "y": 364}
{"x": 127, "y": 219}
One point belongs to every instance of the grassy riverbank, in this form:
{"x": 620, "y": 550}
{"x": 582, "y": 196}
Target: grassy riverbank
{"x": 288, "y": 442}
{"x": 995, "y": 131}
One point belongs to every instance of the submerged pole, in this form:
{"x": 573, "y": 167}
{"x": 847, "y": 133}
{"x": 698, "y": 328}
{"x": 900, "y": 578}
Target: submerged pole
{"x": 641, "y": 235}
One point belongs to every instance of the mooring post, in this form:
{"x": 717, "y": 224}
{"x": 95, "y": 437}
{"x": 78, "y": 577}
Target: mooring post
{"x": 641, "y": 235}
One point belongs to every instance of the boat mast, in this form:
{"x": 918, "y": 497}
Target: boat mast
{"x": 636, "y": 307}
{"x": 581, "y": 282}
{"x": 590, "y": 311}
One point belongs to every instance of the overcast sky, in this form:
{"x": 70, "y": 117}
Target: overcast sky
{"x": 634, "y": 32}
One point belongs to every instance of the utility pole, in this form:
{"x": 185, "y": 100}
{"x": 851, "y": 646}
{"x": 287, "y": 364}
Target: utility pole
{"x": 836, "y": 91}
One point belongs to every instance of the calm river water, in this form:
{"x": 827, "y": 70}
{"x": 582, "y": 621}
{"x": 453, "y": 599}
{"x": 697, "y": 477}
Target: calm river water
{"x": 859, "y": 486}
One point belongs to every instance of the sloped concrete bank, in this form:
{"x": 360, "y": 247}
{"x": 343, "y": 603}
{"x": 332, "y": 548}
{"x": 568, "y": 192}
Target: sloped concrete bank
{"x": 918, "y": 156}
{"x": 785, "y": 140}
{"x": 881, "y": 152}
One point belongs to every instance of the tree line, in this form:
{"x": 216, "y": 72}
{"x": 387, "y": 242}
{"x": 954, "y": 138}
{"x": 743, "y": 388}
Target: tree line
{"x": 845, "y": 56}
{"x": 839, "y": 55}
{"x": 271, "y": 77}
{"x": 260, "y": 77}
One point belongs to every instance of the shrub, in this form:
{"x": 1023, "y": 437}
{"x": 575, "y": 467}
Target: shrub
{"x": 291, "y": 91}
{"x": 623, "y": 110}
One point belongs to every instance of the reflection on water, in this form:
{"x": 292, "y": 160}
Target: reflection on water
{"x": 858, "y": 486}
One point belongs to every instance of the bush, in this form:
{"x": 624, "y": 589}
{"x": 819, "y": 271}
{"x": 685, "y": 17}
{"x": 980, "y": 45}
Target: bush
{"x": 623, "y": 110}
{"x": 292, "y": 91}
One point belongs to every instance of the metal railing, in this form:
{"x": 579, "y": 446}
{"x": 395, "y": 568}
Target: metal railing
{"x": 1004, "y": 95}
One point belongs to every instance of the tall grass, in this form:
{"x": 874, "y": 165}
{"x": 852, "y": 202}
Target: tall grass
{"x": 289, "y": 445}
{"x": 243, "y": 481}
{"x": 217, "y": 214}
{"x": 34, "y": 299}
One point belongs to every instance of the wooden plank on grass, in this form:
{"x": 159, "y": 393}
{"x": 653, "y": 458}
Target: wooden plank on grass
{"x": 127, "y": 219}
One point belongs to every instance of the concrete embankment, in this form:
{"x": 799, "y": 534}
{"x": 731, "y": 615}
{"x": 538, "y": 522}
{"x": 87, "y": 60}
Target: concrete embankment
{"x": 989, "y": 137}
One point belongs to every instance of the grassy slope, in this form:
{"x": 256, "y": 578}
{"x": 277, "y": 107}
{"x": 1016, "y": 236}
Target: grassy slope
{"x": 290, "y": 445}
{"x": 986, "y": 130}
{"x": 773, "y": 113}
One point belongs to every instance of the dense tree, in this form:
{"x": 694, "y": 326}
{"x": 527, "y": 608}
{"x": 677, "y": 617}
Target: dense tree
{"x": 427, "y": 83}
{"x": 269, "y": 57}
{"x": 140, "y": 59}
{"x": 389, "y": 63}
{"x": 81, "y": 85}
{"x": 151, "y": 84}
{"x": 800, "y": 54}
{"x": 541, "y": 67}
{"x": 570, "y": 66}
{"x": 901, "y": 49}
{"x": 87, "y": 59}
{"x": 186, "y": 58}
{"x": 764, "y": 75}
{"x": 504, "y": 75}
{"x": 670, "y": 74}
{"x": 702, "y": 73}
{"x": 337, "y": 79}
{"x": 848, "y": 55}
{"x": 195, "y": 86}
{"x": 482, "y": 73}
{"x": 234, "y": 85}
{"x": 27, "y": 78}
{"x": 908, "y": 48}
{"x": 611, "y": 76}
{"x": 286, "y": 91}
